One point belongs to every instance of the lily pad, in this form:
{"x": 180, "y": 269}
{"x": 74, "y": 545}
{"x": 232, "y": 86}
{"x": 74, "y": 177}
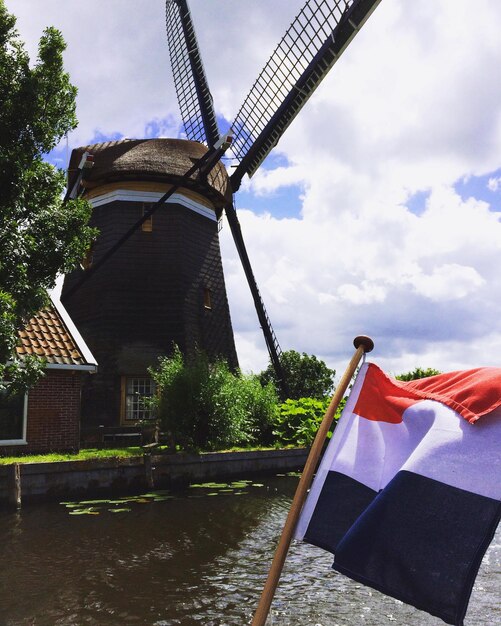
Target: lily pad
{"x": 209, "y": 485}
{"x": 155, "y": 494}
{"x": 90, "y": 511}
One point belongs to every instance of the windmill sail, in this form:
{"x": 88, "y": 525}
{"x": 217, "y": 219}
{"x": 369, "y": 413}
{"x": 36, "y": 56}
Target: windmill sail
{"x": 192, "y": 89}
{"x": 306, "y": 53}
{"x": 310, "y": 47}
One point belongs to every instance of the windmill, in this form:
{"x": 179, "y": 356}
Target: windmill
{"x": 167, "y": 286}
{"x": 303, "y": 57}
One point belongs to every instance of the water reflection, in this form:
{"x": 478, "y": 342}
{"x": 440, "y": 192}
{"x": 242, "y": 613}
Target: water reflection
{"x": 190, "y": 560}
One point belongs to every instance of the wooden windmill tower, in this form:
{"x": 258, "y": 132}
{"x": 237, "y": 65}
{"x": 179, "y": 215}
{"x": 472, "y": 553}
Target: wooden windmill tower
{"x": 159, "y": 278}
{"x": 164, "y": 286}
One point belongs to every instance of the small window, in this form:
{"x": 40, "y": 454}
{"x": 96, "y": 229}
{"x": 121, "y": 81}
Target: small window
{"x": 136, "y": 392}
{"x": 207, "y": 298}
{"x": 13, "y": 411}
{"x": 147, "y": 225}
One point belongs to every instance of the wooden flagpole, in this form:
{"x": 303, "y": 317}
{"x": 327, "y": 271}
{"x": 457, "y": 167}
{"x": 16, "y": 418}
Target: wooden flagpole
{"x": 362, "y": 344}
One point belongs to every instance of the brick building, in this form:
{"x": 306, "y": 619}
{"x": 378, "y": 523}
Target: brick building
{"x": 47, "y": 419}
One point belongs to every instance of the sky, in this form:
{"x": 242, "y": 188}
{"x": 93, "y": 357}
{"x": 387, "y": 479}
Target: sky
{"x": 378, "y": 212}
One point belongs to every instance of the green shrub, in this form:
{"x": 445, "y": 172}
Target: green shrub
{"x": 206, "y": 406}
{"x": 261, "y": 409}
{"x": 177, "y": 401}
{"x": 297, "y": 421}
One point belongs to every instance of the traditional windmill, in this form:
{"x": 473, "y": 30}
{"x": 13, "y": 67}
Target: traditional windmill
{"x": 163, "y": 281}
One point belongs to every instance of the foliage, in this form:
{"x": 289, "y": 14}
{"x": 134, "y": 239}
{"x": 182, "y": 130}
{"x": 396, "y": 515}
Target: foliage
{"x": 40, "y": 237}
{"x": 206, "y": 406}
{"x": 305, "y": 375}
{"x": 417, "y": 373}
{"x": 298, "y": 421}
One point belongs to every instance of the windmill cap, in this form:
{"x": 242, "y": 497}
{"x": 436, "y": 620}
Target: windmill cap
{"x": 154, "y": 160}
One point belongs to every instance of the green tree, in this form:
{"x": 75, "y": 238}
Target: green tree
{"x": 418, "y": 372}
{"x": 305, "y": 375}
{"x": 40, "y": 237}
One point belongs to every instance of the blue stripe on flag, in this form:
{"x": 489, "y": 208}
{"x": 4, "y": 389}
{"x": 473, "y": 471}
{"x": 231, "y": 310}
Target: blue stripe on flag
{"x": 422, "y": 542}
{"x": 341, "y": 501}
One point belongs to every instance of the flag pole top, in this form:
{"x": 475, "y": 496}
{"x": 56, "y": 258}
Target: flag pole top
{"x": 366, "y": 342}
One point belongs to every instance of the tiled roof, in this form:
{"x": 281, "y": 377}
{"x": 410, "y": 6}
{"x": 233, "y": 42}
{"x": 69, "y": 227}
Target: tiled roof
{"x": 47, "y": 335}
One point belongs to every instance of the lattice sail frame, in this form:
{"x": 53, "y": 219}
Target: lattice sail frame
{"x": 192, "y": 89}
{"x": 304, "y": 56}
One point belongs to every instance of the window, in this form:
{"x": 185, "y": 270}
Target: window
{"x": 135, "y": 391}
{"x": 147, "y": 225}
{"x": 13, "y": 411}
{"x": 207, "y": 298}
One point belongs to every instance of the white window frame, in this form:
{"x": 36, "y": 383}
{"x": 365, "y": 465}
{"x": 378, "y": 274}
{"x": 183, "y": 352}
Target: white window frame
{"x": 134, "y": 420}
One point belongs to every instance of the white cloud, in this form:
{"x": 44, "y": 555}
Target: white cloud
{"x": 410, "y": 106}
{"x": 365, "y": 293}
{"x": 266, "y": 182}
{"x": 448, "y": 282}
{"x": 494, "y": 184}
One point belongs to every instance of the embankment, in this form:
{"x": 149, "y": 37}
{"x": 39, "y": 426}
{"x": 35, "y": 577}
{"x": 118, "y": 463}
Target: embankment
{"x": 73, "y": 479}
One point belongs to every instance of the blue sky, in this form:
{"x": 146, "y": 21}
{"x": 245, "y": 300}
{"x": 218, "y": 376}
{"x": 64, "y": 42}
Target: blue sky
{"x": 482, "y": 188}
{"x": 284, "y": 202}
{"x": 378, "y": 213}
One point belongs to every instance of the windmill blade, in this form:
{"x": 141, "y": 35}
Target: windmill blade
{"x": 304, "y": 56}
{"x": 192, "y": 89}
{"x": 274, "y": 350}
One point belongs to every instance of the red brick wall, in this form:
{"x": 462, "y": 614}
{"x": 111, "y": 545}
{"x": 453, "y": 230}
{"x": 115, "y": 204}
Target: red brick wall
{"x": 53, "y": 414}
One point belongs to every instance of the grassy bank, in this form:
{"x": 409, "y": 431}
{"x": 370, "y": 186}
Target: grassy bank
{"x": 87, "y": 454}
{"x": 83, "y": 455}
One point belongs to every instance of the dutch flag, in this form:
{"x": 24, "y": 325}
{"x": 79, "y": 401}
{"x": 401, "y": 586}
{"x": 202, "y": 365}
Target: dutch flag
{"x": 407, "y": 495}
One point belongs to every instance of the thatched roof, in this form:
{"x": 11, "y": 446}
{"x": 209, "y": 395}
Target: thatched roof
{"x": 157, "y": 160}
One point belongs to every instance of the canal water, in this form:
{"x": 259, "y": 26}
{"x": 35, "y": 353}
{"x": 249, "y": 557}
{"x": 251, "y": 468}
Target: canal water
{"x": 189, "y": 557}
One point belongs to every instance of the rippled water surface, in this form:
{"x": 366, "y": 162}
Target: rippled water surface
{"x": 192, "y": 557}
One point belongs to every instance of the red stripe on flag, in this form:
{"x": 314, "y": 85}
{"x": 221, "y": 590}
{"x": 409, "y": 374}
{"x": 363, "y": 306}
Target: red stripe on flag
{"x": 470, "y": 393}
{"x": 381, "y": 400}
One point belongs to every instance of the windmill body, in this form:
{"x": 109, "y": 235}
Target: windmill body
{"x": 164, "y": 286}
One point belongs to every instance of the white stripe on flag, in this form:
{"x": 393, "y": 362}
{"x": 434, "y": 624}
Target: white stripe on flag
{"x": 335, "y": 444}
